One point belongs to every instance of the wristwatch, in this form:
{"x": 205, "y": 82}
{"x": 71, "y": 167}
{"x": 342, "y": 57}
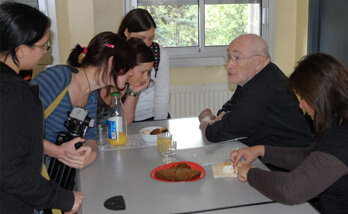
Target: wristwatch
{"x": 131, "y": 93}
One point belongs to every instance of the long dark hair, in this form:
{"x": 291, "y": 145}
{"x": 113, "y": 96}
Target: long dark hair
{"x": 99, "y": 50}
{"x": 136, "y": 20}
{"x": 20, "y": 24}
{"x": 143, "y": 53}
{"x": 322, "y": 81}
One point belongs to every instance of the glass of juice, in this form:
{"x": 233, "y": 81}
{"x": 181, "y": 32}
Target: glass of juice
{"x": 163, "y": 138}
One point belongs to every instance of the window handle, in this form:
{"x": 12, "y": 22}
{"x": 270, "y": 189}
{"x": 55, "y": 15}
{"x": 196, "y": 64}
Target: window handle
{"x": 265, "y": 15}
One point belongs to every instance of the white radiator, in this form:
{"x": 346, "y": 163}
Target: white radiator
{"x": 191, "y": 100}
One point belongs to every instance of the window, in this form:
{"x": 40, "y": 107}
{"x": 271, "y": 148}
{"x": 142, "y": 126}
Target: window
{"x": 48, "y": 7}
{"x": 198, "y": 32}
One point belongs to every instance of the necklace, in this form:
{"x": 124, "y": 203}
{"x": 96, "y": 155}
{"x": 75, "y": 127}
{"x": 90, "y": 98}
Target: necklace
{"x": 89, "y": 86}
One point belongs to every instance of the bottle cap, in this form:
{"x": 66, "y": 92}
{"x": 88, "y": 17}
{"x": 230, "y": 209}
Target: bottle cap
{"x": 115, "y": 93}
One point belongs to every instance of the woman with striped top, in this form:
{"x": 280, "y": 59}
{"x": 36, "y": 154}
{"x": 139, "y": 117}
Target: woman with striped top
{"x": 105, "y": 62}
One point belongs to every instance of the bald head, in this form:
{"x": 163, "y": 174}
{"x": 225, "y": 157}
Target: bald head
{"x": 253, "y": 44}
{"x": 248, "y": 55}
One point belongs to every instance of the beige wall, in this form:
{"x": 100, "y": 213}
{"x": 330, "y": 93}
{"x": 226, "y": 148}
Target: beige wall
{"x": 80, "y": 20}
{"x": 108, "y": 15}
{"x": 302, "y": 29}
{"x": 290, "y": 36}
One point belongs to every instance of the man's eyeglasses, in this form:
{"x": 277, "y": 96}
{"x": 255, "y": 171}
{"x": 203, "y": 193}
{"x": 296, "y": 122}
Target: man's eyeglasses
{"x": 46, "y": 46}
{"x": 236, "y": 59}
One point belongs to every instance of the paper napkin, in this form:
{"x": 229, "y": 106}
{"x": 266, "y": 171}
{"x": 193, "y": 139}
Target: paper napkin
{"x": 224, "y": 170}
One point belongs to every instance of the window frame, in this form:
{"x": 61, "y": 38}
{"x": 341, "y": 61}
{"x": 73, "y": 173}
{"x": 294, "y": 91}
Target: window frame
{"x": 48, "y": 7}
{"x": 213, "y": 56}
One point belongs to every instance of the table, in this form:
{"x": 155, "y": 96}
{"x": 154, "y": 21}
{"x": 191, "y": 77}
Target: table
{"x": 126, "y": 172}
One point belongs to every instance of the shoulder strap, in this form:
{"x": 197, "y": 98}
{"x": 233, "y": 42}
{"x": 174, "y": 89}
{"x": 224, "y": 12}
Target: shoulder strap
{"x": 47, "y": 113}
{"x": 56, "y": 102}
{"x": 156, "y": 52}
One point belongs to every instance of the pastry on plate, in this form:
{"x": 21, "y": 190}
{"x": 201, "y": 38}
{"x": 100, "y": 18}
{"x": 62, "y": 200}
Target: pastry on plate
{"x": 181, "y": 172}
{"x": 159, "y": 131}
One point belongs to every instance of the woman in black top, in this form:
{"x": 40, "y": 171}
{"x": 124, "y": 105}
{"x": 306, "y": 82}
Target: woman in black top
{"x": 321, "y": 169}
{"x": 24, "y": 40}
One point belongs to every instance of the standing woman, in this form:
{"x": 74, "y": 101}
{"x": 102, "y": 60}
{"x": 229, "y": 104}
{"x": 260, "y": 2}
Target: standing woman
{"x": 153, "y": 101}
{"x": 24, "y": 40}
{"x": 104, "y": 62}
{"x": 321, "y": 169}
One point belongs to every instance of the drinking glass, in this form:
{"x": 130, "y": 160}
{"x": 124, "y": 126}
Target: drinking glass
{"x": 168, "y": 151}
{"x": 163, "y": 138}
{"x": 102, "y": 134}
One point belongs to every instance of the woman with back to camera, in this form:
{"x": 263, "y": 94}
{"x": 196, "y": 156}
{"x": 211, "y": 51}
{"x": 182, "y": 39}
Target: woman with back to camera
{"x": 153, "y": 101}
{"x": 24, "y": 40}
{"x": 138, "y": 80}
{"x": 321, "y": 81}
{"x": 105, "y": 62}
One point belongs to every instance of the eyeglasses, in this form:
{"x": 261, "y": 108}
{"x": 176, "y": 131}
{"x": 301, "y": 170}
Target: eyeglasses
{"x": 236, "y": 59}
{"x": 46, "y": 46}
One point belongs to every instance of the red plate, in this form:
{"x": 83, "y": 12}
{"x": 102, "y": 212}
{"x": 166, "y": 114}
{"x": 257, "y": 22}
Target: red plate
{"x": 191, "y": 164}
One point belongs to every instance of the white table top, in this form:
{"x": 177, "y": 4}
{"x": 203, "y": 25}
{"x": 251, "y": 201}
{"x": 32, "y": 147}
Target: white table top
{"x": 126, "y": 172}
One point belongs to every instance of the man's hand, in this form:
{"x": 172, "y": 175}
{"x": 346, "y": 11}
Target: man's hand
{"x": 206, "y": 116}
{"x": 217, "y": 118}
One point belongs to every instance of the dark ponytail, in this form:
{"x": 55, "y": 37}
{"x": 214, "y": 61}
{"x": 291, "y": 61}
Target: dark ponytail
{"x": 76, "y": 56}
{"x": 99, "y": 50}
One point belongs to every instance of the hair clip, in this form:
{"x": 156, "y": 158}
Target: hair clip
{"x": 109, "y": 45}
{"x": 82, "y": 55}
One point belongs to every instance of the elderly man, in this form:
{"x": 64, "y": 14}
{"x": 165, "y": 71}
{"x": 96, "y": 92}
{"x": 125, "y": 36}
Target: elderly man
{"x": 262, "y": 108}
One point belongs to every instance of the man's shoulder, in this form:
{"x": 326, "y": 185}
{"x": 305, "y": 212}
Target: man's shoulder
{"x": 268, "y": 88}
{"x": 272, "y": 79}
{"x": 270, "y": 91}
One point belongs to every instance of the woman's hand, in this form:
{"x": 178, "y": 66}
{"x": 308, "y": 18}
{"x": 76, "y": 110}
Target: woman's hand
{"x": 250, "y": 154}
{"x": 139, "y": 88}
{"x": 69, "y": 146}
{"x": 85, "y": 157}
{"x": 243, "y": 170}
{"x": 77, "y": 159}
{"x": 78, "y": 198}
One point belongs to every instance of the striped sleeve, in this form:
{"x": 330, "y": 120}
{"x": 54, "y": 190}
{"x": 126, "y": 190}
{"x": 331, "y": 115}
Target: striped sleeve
{"x": 52, "y": 81}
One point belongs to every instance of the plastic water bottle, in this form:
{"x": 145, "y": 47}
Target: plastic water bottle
{"x": 117, "y": 122}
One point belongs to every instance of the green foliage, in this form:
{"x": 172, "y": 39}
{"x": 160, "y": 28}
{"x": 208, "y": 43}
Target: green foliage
{"x": 178, "y": 25}
{"x": 225, "y": 22}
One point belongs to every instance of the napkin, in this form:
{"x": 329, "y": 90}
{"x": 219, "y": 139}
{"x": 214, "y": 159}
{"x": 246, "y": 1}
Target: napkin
{"x": 224, "y": 170}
